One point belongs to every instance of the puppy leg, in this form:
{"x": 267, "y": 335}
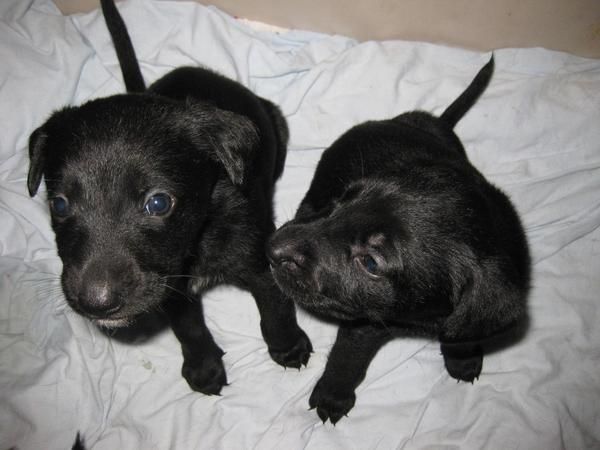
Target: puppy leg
{"x": 288, "y": 344}
{"x": 354, "y": 348}
{"x": 202, "y": 364}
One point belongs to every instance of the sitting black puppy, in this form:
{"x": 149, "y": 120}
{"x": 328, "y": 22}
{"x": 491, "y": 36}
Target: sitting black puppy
{"x": 398, "y": 232}
{"x": 161, "y": 194}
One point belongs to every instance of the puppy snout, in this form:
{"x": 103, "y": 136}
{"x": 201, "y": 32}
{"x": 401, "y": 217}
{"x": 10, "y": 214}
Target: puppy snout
{"x": 289, "y": 252}
{"x": 286, "y": 254}
{"x": 105, "y": 285}
{"x": 98, "y": 299}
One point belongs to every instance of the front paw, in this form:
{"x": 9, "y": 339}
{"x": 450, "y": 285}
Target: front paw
{"x": 463, "y": 363}
{"x": 295, "y": 356}
{"x": 331, "y": 402}
{"x": 205, "y": 374}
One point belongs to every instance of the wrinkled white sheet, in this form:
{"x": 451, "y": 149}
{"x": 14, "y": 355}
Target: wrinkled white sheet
{"x": 535, "y": 133}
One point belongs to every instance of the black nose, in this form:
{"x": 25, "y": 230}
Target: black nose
{"x": 287, "y": 254}
{"x": 98, "y": 299}
{"x": 105, "y": 284}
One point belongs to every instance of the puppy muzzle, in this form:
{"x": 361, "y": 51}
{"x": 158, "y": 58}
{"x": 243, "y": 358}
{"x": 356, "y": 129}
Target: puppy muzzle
{"x": 292, "y": 264}
{"x": 101, "y": 289}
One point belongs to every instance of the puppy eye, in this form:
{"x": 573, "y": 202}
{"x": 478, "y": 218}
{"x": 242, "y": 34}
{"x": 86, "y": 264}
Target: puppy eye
{"x": 59, "y": 206}
{"x": 158, "y": 204}
{"x": 369, "y": 264}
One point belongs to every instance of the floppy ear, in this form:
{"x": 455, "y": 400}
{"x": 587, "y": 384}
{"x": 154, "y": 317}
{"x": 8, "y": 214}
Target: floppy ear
{"x": 37, "y": 159}
{"x": 232, "y": 139}
{"x": 487, "y": 307}
{"x": 486, "y": 304}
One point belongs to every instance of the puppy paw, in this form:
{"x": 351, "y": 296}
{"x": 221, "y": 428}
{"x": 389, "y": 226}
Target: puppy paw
{"x": 463, "y": 364}
{"x": 206, "y": 374}
{"x": 331, "y": 402}
{"x": 295, "y": 356}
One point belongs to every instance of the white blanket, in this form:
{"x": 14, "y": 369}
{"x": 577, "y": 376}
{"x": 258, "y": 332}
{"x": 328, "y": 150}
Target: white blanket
{"x": 535, "y": 133}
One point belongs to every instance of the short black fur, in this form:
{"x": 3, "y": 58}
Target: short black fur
{"x": 399, "y": 234}
{"x": 157, "y": 196}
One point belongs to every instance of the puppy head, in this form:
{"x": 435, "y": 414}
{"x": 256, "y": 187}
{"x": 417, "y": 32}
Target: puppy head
{"x": 347, "y": 261}
{"x": 129, "y": 179}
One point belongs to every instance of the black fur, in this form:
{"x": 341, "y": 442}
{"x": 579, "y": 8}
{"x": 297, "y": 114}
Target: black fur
{"x": 204, "y": 152}
{"x": 132, "y": 75}
{"x": 400, "y": 233}
{"x": 79, "y": 443}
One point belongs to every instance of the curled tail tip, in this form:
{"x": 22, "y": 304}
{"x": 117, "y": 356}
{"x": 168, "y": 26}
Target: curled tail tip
{"x": 79, "y": 443}
{"x": 467, "y": 99}
{"x": 490, "y": 65}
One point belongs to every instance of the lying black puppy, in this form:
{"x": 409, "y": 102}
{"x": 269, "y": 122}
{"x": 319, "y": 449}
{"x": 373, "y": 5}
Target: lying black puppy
{"x": 159, "y": 195}
{"x": 397, "y": 232}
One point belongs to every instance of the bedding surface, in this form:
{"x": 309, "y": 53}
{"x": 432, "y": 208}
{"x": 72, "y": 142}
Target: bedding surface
{"x": 535, "y": 133}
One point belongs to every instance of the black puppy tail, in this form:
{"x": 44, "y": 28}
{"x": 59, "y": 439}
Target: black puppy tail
{"x": 467, "y": 99}
{"x": 132, "y": 75}
{"x": 79, "y": 444}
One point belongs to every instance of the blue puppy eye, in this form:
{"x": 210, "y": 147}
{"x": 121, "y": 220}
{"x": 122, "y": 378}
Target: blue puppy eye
{"x": 158, "y": 204}
{"x": 370, "y": 264}
{"x": 59, "y": 206}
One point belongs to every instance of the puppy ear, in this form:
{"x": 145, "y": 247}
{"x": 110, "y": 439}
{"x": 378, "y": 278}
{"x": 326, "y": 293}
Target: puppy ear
{"x": 486, "y": 304}
{"x": 37, "y": 159}
{"x": 236, "y": 145}
{"x": 232, "y": 139}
